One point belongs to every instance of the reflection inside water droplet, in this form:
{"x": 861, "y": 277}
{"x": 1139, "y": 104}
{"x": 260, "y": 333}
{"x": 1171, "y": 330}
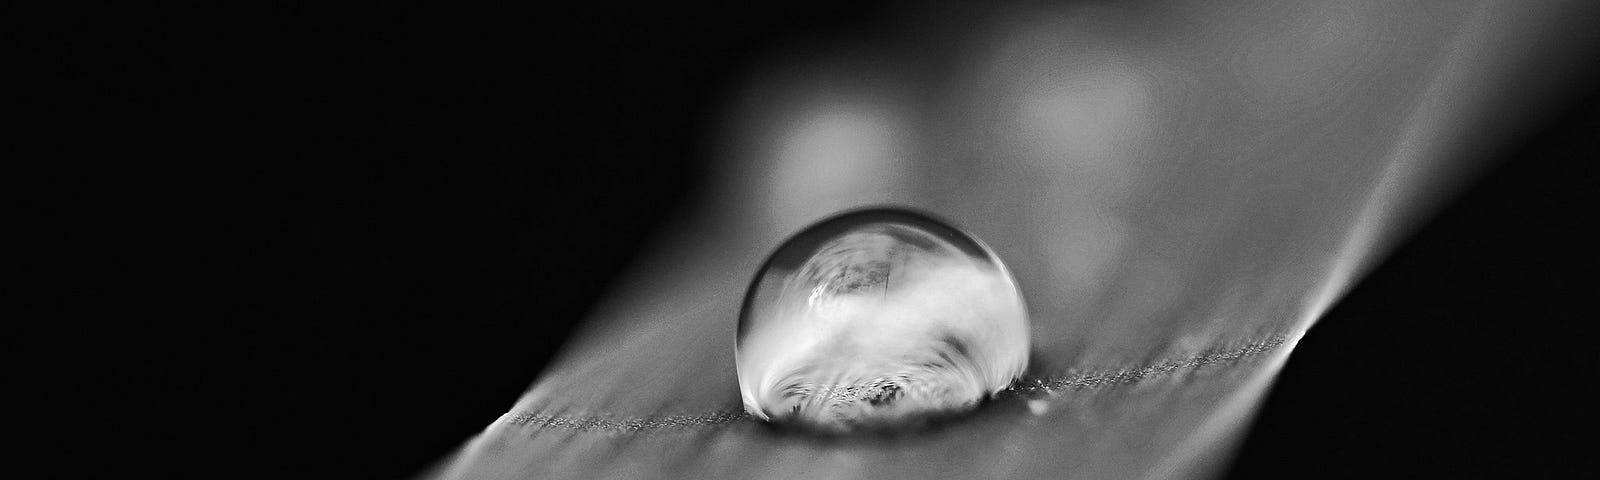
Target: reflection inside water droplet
{"x": 878, "y": 318}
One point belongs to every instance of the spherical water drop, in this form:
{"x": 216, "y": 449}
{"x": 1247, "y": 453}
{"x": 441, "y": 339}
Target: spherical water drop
{"x": 878, "y": 318}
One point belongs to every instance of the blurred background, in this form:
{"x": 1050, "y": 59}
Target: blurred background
{"x": 386, "y": 218}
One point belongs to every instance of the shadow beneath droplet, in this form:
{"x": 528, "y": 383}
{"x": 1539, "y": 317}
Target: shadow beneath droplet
{"x": 1007, "y": 407}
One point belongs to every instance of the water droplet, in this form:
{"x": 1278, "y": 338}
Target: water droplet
{"x": 878, "y": 318}
{"x": 1038, "y": 407}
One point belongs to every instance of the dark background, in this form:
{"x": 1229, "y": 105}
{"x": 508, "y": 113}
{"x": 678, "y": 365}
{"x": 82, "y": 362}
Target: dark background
{"x": 342, "y": 239}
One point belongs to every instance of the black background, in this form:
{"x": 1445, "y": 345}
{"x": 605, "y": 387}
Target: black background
{"x": 340, "y": 240}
